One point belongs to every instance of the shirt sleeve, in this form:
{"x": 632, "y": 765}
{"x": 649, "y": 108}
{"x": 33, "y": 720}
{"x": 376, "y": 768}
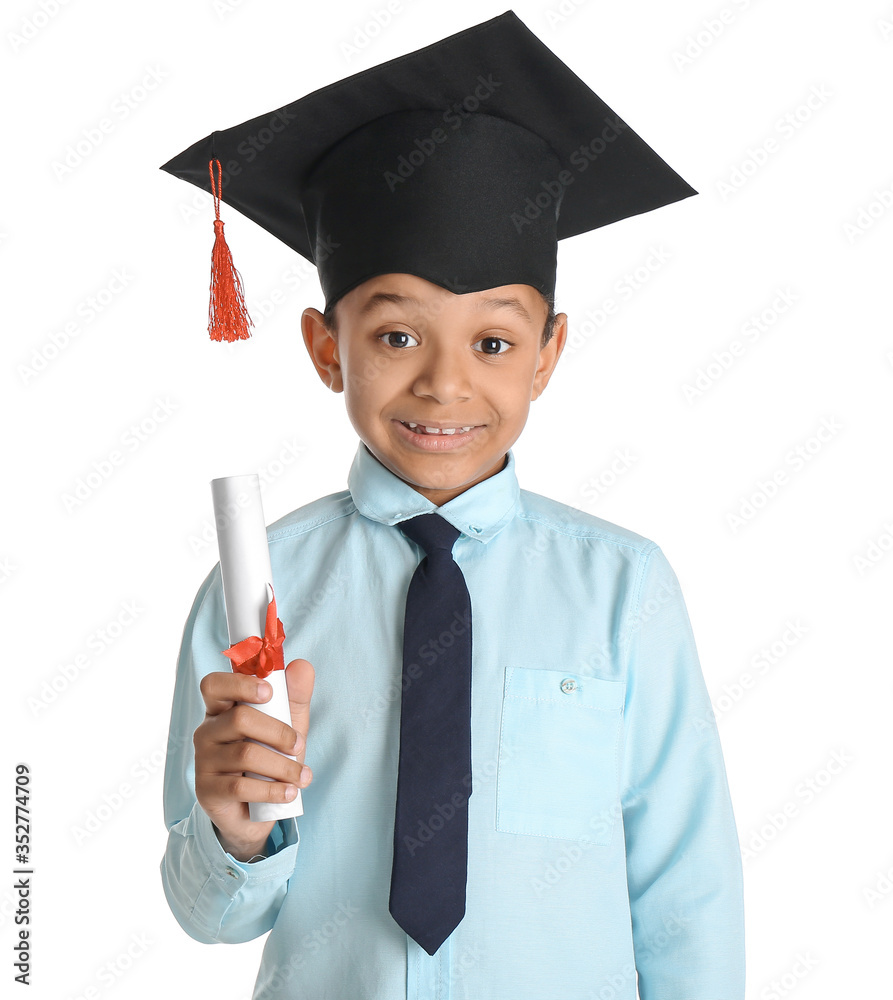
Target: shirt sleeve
{"x": 214, "y": 897}
{"x": 684, "y": 870}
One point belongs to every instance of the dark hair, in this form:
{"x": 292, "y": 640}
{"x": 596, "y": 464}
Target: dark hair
{"x": 548, "y": 329}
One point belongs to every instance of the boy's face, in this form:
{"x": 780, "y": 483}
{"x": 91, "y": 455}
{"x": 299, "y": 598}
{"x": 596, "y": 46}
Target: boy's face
{"x": 409, "y": 351}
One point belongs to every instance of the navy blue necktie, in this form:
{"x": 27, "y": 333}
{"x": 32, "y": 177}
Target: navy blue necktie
{"x": 430, "y": 867}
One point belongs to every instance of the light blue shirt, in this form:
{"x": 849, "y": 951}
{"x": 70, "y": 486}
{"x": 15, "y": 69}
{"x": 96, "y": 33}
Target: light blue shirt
{"x": 601, "y": 841}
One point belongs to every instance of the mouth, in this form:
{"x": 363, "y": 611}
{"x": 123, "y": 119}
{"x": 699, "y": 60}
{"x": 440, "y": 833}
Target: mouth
{"x": 447, "y": 429}
{"x": 437, "y": 437}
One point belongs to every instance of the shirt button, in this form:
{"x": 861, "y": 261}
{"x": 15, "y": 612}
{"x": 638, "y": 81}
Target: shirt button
{"x": 475, "y": 528}
{"x": 231, "y": 873}
{"x": 568, "y": 685}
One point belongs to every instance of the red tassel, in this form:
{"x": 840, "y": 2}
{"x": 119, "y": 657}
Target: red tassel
{"x": 228, "y": 318}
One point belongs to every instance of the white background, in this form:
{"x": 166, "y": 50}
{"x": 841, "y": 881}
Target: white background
{"x": 95, "y": 593}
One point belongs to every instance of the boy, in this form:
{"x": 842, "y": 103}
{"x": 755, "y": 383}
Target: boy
{"x": 518, "y": 789}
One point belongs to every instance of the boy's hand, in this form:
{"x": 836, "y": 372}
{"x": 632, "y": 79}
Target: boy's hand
{"x": 222, "y": 753}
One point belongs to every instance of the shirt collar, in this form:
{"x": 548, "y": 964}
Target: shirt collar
{"x": 480, "y": 512}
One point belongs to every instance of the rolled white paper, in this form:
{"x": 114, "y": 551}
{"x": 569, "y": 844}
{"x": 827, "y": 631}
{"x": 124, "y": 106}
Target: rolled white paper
{"x": 247, "y": 588}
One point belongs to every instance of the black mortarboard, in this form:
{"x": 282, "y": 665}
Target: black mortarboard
{"x": 462, "y": 162}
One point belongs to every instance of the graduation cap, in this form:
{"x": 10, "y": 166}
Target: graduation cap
{"x": 463, "y": 162}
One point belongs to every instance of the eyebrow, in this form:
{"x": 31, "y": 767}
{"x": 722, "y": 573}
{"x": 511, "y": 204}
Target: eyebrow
{"x": 381, "y": 298}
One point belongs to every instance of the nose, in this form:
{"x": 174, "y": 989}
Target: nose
{"x": 444, "y": 373}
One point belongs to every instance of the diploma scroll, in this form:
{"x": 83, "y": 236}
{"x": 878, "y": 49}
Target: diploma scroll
{"x": 247, "y": 590}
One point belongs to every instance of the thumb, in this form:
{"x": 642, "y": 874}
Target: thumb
{"x": 299, "y": 678}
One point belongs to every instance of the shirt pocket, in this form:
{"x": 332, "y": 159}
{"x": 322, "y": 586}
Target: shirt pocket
{"x": 558, "y": 773}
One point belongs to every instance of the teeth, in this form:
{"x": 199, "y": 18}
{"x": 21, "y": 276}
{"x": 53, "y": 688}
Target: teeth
{"x": 435, "y": 430}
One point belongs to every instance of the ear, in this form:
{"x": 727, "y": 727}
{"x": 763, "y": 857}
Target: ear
{"x": 322, "y": 346}
{"x": 549, "y": 356}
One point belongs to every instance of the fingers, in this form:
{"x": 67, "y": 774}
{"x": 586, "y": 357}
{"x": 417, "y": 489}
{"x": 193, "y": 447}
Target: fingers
{"x": 224, "y": 746}
{"x": 234, "y": 758}
{"x": 225, "y": 688}
{"x": 300, "y": 677}
{"x": 243, "y": 722}
{"x": 216, "y": 791}
{"x": 219, "y": 764}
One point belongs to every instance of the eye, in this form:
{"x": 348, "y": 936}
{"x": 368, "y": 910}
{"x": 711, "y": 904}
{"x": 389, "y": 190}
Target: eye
{"x": 494, "y": 340}
{"x": 396, "y": 333}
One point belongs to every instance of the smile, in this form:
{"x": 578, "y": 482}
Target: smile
{"x": 423, "y": 429}
{"x": 427, "y": 438}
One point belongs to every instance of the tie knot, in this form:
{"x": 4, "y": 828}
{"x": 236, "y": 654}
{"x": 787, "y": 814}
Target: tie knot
{"x": 431, "y": 532}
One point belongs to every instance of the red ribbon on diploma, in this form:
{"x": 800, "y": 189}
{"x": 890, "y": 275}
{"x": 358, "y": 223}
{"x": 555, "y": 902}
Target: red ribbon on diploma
{"x": 260, "y": 656}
